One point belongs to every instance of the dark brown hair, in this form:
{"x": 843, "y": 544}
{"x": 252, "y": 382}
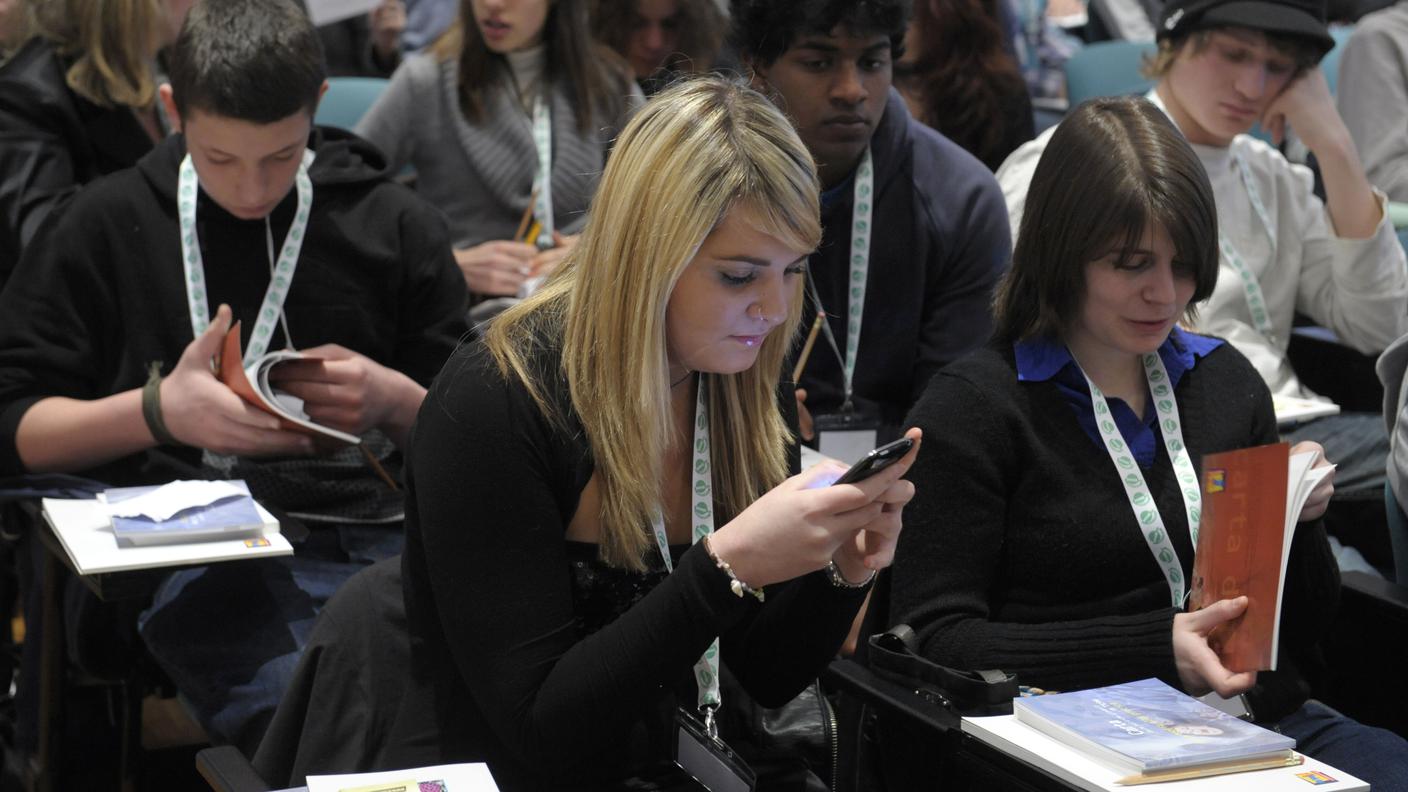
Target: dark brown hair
{"x": 963, "y": 77}
{"x": 700, "y": 22}
{"x": 255, "y": 60}
{"x": 598, "y": 77}
{"x": 1114, "y": 167}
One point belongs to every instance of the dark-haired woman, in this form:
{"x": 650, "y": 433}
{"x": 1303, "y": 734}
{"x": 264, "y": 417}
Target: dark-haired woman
{"x": 662, "y": 39}
{"x": 1026, "y": 547}
{"x": 958, "y": 78}
{"x": 516, "y": 104}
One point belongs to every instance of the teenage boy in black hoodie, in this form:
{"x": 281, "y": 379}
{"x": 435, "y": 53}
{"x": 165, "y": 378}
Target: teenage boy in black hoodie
{"x": 905, "y": 276}
{"x": 292, "y": 229}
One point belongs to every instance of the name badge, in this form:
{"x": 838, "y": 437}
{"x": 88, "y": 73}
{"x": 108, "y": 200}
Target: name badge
{"x": 708, "y": 759}
{"x": 846, "y": 436}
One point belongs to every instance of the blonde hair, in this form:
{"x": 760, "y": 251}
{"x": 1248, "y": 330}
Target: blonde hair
{"x": 1156, "y": 65}
{"x": 699, "y": 150}
{"x": 111, "y": 43}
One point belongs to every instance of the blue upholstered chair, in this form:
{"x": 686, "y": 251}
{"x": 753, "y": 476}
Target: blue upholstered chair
{"x": 348, "y": 99}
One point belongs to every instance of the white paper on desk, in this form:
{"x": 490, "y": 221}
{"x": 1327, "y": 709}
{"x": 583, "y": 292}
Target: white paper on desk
{"x": 457, "y": 778}
{"x": 85, "y": 531}
{"x": 168, "y": 500}
{"x": 325, "y": 12}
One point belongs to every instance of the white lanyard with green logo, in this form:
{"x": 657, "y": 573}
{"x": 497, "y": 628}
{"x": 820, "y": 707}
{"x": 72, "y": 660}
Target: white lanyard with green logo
{"x": 1251, "y": 289}
{"x": 542, "y": 179}
{"x": 861, "y": 210}
{"x": 280, "y": 279}
{"x": 1141, "y": 500}
{"x": 706, "y": 671}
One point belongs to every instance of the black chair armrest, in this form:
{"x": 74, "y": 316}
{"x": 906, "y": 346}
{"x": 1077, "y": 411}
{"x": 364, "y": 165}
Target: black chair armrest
{"x": 889, "y": 697}
{"x": 1367, "y": 650}
{"x": 228, "y": 770}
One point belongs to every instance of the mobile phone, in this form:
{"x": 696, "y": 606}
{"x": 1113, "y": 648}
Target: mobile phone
{"x": 876, "y": 461}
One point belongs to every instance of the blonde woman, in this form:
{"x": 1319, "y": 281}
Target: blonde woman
{"x": 76, "y": 102}
{"x": 633, "y": 404}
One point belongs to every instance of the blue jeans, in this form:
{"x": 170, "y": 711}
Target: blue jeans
{"x": 230, "y": 635}
{"x": 1375, "y": 755}
{"x": 1358, "y": 445}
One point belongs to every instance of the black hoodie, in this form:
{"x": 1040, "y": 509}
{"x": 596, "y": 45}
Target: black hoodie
{"x": 940, "y": 243}
{"x": 100, "y": 293}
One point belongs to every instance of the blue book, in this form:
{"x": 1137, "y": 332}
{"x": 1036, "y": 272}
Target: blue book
{"x": 234, "y": 517}
{"x": 1148, "y": 726}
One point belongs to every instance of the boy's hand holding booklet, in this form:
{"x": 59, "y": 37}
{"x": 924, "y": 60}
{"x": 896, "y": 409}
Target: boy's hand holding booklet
{"x": 251, "y": 383}
{"x": 1252, "y": 499}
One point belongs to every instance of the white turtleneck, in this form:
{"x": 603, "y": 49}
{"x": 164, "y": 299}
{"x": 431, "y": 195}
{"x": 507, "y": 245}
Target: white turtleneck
{"x": 527, "y": 67}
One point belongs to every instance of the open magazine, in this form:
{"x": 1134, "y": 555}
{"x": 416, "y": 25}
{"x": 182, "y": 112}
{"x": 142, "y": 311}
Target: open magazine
{"x": 1252, "y": 499}
{"x": 251, "y": 383}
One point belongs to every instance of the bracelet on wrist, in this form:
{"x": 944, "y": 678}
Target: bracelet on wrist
{"x": 151, "y": 407}
{"x": 839, "y": 580}
{"x": 738, "y": 587}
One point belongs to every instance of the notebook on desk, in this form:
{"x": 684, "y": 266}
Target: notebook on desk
{"x": 84, "y": 528}
{"x": 1082, "y": 771}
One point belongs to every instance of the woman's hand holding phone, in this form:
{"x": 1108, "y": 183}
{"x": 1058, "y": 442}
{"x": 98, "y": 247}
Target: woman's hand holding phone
{"x": 798, "y": 527}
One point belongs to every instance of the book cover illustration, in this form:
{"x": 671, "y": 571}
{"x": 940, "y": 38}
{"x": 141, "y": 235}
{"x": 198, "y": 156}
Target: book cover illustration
{"x": 230, "y": 515}
{"x": 1252, "y": 499}
{"x": 1147, "y": 725}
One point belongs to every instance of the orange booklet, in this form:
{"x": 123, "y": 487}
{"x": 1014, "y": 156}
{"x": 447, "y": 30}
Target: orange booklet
{"x": 251, "y": 383}
{"x": 1251, "y": 501}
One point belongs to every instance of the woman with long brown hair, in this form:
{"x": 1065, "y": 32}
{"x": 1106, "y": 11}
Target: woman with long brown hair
{"x": 508, "y": 116}
{"x": 958, "y": 77}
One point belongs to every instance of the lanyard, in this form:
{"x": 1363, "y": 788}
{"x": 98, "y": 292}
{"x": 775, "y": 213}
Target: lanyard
{"x": 542, "y": 179}
{"x": 861, "y": 209}
{"x": 1251, "y": 289}
{"x": 1141, "y": 500}
{"x": 272, "y": 307}
{"x": 706, "y": 671}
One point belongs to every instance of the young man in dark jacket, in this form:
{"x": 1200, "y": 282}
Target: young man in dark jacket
{"x": 914, "y": 230}
{"x": 291, "y": 229}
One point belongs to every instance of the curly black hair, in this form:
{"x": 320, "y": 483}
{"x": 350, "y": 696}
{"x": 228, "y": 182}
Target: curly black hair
{"x": 764, "y": 29}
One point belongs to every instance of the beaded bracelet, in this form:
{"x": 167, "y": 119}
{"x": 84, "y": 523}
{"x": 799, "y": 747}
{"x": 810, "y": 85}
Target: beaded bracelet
{"x": 839, "y": 580}
{"x": 738, "y": 587}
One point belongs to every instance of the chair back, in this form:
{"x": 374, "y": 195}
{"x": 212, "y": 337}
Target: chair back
{"x": 1107, "y": 68}
{"x": 347, "y": 100}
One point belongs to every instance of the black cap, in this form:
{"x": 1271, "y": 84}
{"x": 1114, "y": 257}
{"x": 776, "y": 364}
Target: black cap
{"x": 1303, "y": 19}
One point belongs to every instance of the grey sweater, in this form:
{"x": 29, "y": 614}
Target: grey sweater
{"x": 1373, "y": 97}
{"x": 481, "y": 175}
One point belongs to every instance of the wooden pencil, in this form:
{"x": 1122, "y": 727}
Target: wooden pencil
{"x": 807, "y": 348}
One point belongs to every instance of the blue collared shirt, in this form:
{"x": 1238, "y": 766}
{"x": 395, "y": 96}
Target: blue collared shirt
{"x": 1039, "y": 360}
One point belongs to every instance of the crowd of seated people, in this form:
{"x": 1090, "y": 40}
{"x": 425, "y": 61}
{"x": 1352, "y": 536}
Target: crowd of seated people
{"x": 716, "y": 235}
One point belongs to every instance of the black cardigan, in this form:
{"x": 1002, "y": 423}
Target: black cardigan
{"x": 1020, "y": 550}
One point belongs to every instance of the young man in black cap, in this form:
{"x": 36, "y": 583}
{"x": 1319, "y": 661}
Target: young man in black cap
{"x": 915, "y": 232}
{"x": 1222, "y": 66}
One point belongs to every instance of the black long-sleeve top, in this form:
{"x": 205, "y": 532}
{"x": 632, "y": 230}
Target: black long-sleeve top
{"x": 52, "y": 141}
{"x": 1021, "y": 552}
{"x": 494, "y": 611}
